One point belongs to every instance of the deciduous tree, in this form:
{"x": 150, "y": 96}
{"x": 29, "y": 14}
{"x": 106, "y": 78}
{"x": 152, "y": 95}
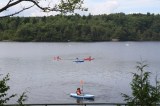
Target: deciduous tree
{"x": 64, "y": 6}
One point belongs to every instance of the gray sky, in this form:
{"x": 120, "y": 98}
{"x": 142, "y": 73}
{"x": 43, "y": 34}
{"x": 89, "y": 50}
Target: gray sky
{"x": 95, "y": 7}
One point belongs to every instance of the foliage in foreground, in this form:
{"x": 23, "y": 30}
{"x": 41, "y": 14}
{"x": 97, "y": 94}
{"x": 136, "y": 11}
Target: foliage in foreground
{"x": 4, "y": 88}
{"x": 143, "y": 93}
{"x": 4, "y": 98}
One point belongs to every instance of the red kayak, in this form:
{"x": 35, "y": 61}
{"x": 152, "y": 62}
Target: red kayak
{"x": 88, "y": 59}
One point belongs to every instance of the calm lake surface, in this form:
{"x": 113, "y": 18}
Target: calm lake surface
{"x": 32, "y": 68}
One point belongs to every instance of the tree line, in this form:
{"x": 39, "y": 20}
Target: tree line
{"x": 59, "y": 28}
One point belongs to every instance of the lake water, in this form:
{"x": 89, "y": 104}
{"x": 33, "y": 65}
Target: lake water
{"x": 32, "y": 68}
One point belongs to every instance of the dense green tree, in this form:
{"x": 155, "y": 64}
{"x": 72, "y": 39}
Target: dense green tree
{"x": 25, "y": 33}
{"x": 132, "y": 27}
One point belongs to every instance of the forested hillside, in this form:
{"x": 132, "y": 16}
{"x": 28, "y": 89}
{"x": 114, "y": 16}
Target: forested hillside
{"x": 132, "y": 27}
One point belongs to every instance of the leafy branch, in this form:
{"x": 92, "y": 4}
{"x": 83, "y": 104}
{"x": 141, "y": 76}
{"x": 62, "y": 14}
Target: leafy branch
{"x": 64, "y": 6}
{"x": 4, "y": 98}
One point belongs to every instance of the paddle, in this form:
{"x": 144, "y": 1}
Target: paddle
{"x": 81, "y": 83}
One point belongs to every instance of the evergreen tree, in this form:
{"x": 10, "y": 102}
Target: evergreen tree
{"x": 143, "y": 93}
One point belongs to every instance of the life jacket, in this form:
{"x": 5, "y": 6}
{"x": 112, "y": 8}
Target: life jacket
{"x": 78, "y": 92}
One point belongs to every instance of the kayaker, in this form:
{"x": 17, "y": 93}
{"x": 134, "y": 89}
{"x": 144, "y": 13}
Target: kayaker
{"x": 78, "y": 91}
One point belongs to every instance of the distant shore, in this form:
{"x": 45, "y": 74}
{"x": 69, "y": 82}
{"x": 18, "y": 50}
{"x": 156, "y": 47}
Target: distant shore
{"x": 76, "y": 28}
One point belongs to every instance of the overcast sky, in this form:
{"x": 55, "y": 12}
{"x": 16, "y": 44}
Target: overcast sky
{"x": 96, "y": 7}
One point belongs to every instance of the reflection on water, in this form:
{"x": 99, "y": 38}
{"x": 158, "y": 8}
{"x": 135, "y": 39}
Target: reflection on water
{"x": 81, "y": 100}
{"x": 32, "y": 67}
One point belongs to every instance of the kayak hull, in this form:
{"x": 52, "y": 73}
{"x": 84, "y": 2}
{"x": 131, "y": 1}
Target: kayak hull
{"x": 83, "y": 96}
{"x": 79, "y": 61}
{"x": 88, "y": 59}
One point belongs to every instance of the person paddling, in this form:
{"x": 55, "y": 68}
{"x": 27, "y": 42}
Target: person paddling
{"x": 78, "y": 91}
